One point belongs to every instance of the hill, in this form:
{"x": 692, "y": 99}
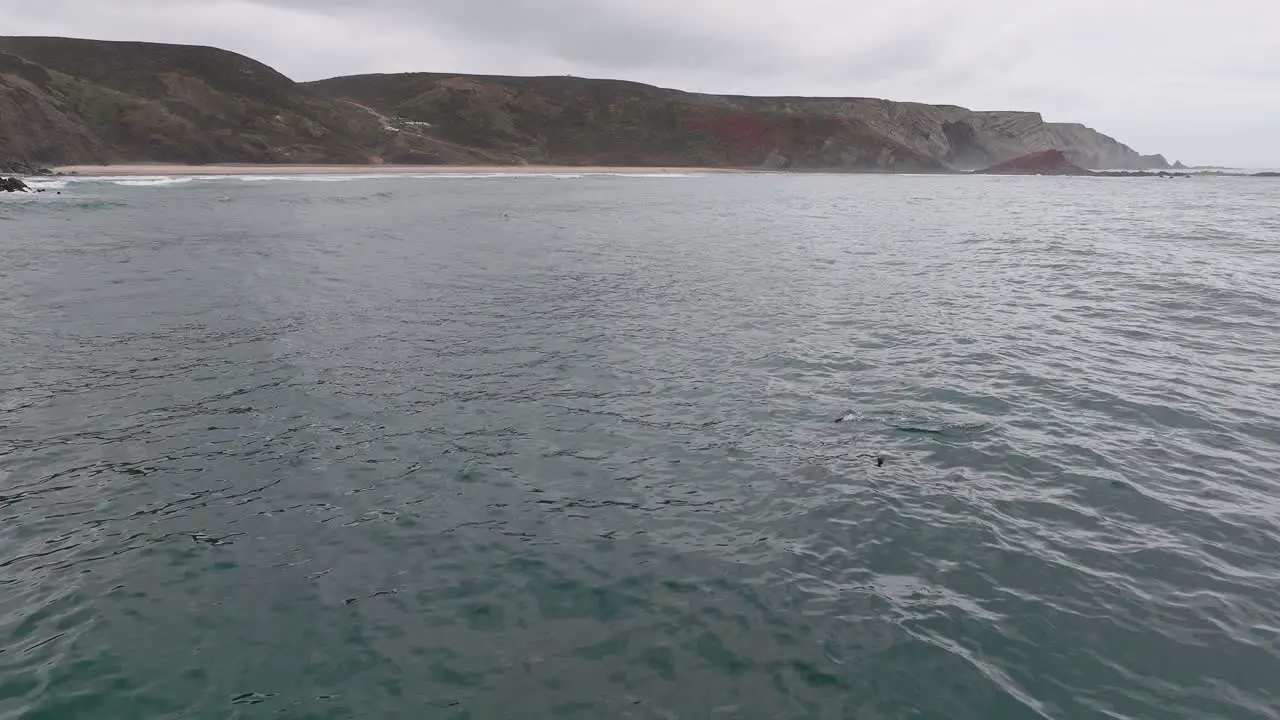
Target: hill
{"x": 65, "y": 101}
{"x": 570, "y": 119}
{"x": 576, "y": 121}
{"x": 82, "y": 101}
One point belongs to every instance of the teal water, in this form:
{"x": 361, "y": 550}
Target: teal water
{"x": 565, "y": 448}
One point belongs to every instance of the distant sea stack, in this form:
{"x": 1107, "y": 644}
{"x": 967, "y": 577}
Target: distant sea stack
{"x": 68, "y": 102}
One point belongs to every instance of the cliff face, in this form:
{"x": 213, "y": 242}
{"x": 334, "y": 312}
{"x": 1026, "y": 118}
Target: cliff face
{"x": 978, "y": 139}
{"x": 1089, "y": 148}
{"x": 36, "y": 126}
{"x": 81, "y": 101}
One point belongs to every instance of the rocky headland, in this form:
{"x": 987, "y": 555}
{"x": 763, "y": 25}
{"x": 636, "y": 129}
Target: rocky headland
{"x": 1056, "y": 162}
{"x": 13, "y": 184}
{"x": 86, "y": 102}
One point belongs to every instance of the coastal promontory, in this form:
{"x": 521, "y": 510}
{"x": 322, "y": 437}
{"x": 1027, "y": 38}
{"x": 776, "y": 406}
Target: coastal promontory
{"x": 86, "y": 102}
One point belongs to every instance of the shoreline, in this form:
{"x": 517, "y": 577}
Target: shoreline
{"x": 137, "y": 170}
{"x": 152, "y": 169}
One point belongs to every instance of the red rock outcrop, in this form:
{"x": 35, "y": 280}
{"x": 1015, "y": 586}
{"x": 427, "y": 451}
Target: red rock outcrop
{"x": 1045, "y": 162}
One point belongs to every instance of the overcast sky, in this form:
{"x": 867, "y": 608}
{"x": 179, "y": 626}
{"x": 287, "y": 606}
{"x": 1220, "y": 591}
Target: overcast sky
{"x": 1197, "y": 80}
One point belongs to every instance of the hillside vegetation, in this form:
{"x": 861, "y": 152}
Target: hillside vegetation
{"x": 65, "y": 101}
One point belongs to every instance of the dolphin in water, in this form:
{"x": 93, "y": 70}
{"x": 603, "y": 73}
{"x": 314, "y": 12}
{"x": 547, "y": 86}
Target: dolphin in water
{"x": 849, "y": 417}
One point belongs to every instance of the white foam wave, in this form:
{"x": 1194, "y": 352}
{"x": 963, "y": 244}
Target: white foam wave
{"x": 305, "y": 178}
{"x": 46, "y": 184}
{"x": 654, "y": 175}
{"x": 151, "y": 181}
{"x": 399, "y": 176}
{"x": 169, "y": 180}
{"x": 456, "y": 176}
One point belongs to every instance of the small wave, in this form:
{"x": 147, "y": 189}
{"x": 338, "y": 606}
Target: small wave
{"x": 495, "y": 176}
{"x": 353, "y": 178}
{"x": 653, "y": 175}
{"x": 169, "y": 180}
{"x": 395, "y": 176}
{"x": 307, "y": 178}
{"x": 126, "y": 180}
{"x": 944, "y": 428}
{"x": 95, "y": 205}
{"x": 151, "y": 181}
{"x": 46, "y": 184}
{"x": 913, "y": 430}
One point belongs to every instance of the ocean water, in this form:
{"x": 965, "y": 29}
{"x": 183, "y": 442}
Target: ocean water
{"x": 565, "y": 447}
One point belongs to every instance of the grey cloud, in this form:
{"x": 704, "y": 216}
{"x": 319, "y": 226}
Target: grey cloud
{"x": 587, "y": 31}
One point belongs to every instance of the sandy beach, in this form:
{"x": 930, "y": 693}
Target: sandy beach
{"x": 231, "y": 169}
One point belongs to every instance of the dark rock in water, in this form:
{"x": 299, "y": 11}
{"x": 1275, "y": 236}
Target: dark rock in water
{"x": 1140, "y": 173}
{"x": 1045, "y": 162}
{"x": 13, "y": 185}
{"x": 1055, "y": 162}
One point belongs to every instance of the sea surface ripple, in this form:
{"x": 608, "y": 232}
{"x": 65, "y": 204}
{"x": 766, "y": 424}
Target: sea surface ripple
{"x": 564, "y": 447}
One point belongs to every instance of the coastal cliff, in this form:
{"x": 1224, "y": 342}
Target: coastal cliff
{"x": 65, "y": 101}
